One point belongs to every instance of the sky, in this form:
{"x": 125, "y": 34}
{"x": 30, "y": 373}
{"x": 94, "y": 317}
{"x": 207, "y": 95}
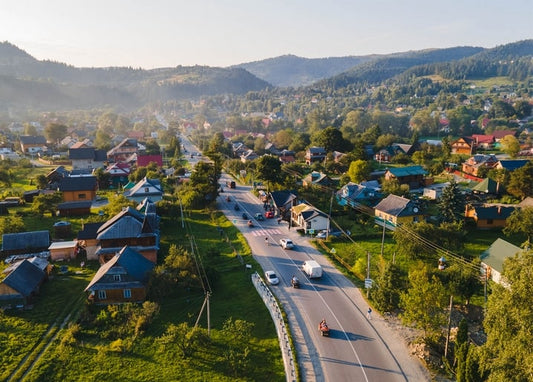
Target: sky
{"x": 166, "y": 33}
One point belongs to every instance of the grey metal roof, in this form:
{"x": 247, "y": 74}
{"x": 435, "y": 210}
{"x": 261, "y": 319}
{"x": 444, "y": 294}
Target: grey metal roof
{"x": 396, "y": 206}
{"x": 89, "y": 231}
{"x": 78, "y": 183}
{"x": 25, "y": 278}
{"x": 32, "y": 241}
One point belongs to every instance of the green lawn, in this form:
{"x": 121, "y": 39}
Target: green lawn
{"x": 93, "y": 357}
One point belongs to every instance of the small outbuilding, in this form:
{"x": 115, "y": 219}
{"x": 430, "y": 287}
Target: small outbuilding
{"x": 63, "y": 250}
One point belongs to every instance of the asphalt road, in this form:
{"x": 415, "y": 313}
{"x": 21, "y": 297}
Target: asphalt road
{"x": 358, "y": 349}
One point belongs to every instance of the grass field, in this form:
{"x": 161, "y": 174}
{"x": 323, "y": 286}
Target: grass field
{"x": 93, "y": 357}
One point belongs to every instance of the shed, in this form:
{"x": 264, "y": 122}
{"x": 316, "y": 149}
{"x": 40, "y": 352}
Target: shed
{"x": 63, "y": 250}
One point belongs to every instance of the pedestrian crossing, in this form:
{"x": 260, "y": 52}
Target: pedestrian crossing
{"x": 266, "y": 232}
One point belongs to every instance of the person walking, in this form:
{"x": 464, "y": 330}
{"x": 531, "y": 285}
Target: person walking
{"x": 369, "y": 313}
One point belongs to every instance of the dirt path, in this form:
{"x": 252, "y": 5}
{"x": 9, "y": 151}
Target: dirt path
{"x": 27, "y": 364}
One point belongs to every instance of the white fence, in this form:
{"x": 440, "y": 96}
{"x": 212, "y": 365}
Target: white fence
{"x": 283, "y": 336}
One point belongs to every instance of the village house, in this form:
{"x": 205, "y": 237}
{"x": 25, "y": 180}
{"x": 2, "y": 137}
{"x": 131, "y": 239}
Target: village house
{"x": 21, "y": 284}
{"x": 413, "y": 176}
{"x": 87, "y": 239}
{"x": 315, "y": 154}
{"x": 25, "y": 243}
{"x": 78, "y": 188}
{"x": 123, "y": 151}
{"x": 485, "y": 142}
{"x": 309, "y": 218}
{"x": 32, "y": 144}
{"x": 488, "y": 216}
{"x": 396, "y": 210}
{"x": 359, "y": 195}
{"x": 463, "y": 145}
{"x": 122, "y": 279}
{"x": 87, "y": 158}
{"x": 472, "y": 165}
{"x": 132, "y": 228}
{"x": 145, "y": 188}
{"x": 63, "y": 250}
{"x": 316, "y": 178}
{"x": 492, "y": 259}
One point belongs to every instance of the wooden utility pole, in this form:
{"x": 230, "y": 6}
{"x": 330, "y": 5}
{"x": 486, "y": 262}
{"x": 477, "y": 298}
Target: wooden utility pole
{"x": 449, "y": 327}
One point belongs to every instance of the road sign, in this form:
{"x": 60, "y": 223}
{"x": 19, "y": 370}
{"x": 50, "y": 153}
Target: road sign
{"x": 311, "y": 231}
{"x": 333, "y": 250}
{"x": 368, "y": 283}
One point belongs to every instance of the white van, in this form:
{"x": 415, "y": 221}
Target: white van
{"x": 312, "y": 269}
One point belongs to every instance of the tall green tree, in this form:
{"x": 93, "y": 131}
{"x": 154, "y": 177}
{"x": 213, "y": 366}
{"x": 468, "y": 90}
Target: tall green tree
{"x": 268, "y": 168}
{"x": 521, "y": 181}
{"x": 510, "y": 145}
{"x": 520, "y": 221}
{"x": 425, "y": 301}
{"x": 359, "y": 171}
{"x": 507, "y": 354}
{"x": 54, "y": 132}
{"x": 451, "y": 203}
{"x": 389, "y": 285}
{"x": 46, "y": 203}
{"x": 331, "y": 140}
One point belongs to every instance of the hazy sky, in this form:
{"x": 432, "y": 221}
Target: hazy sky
{"x": 165, "y": 33}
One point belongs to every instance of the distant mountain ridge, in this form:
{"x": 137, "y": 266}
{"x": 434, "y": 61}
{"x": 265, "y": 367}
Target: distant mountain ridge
{"x": 26, "y": 82}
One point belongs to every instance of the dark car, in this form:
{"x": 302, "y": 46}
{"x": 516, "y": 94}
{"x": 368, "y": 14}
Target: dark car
{"x": 244, "y": 216}
{"x": 237, "y": 208}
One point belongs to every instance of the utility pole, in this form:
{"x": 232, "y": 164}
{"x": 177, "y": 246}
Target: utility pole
{"x": 329, "y": 216}
{"x": 368, "y": 272}
{"x": 449, "y": 327}
{"x": 383, "y": 237}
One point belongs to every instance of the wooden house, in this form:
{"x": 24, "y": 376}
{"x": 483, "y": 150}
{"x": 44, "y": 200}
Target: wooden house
{"x": 413, "y": 176}
{"x": 122, "y": 151}
{"x": 129, "y": 228}
{"x": 396, "y": 210}
{"x": 122, "y": 279}
{"x": 472, "y": 165}
{"x": 282, "y": 202}
{"x": 463, "y": 145}
{"x": 63, "y": 250}
{"x": 489, "y": 216}
{"x": 78, "y": 188}
{"x": 315, "y": 154}
{"x": 20, "y": 286}
{"x": 87, "y": 239}
{"x": 23, "y": 243}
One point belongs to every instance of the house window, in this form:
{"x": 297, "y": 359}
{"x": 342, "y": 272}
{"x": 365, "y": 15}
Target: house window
{"x": 82, "y": 196}
{"x": 490, "y": 221}
{"x": 127, "y": 293}
{"x": 146, "y": 189}
{"x": 102, "y": 295}
{"x": 116, "y": 277}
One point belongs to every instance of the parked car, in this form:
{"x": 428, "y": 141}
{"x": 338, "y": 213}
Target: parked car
{"x": 237, "y": 208}
{"x": 245, "y": 216}
{"x": 259, "y": 217}
{"x": 286, "y": 243}
{"x": 269, "y": 214}
{"x": 323, "y": 234}
{"x": 271, "y": 277}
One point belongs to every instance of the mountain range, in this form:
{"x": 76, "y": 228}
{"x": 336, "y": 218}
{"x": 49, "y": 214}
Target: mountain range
{"x": 28, "y": 83}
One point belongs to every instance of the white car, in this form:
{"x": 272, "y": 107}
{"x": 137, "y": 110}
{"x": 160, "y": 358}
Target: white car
{"x": 286, "y": 243}
{"x": 271, "y": 278}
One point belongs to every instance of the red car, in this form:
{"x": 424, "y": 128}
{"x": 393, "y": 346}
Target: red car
{"x": 269, "y": 214}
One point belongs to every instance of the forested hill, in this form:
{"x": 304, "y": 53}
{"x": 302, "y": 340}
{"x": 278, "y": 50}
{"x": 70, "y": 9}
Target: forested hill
{"x": 514, "y": 60}
{"x": 384, "y": 68}
{"x": 26, "y": 82}
{"x": 290, "y": 70}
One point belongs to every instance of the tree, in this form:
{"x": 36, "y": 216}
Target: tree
{"x": 520, "y": 221}
{"x": 359, "y": 171}
{"x": 510, "y": 145}
{"x": 41, "y": 181}
{"x": 102, "y": 140}
{"x": 392, "y": 186}
{"x": 389, "y": 284}
{"x": 11, "y": 224}
{"x": 54, "y": 132}
{"x": 117, "y": 203}
{"x": 152, "y": 147}
{"x": 331, "y": 140}
{"x": 451, "y": 204}
{"x": 6, "y": 177}
{"x": 46, "y": 203}
{"x": 269, "y": 169}
{"x": 521, "y": 181}
{"x": 103, "y": 178}
{"x": 425, "y": 301}
{"x": 522, "y": 108}
{"x": 507, "y": 354}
